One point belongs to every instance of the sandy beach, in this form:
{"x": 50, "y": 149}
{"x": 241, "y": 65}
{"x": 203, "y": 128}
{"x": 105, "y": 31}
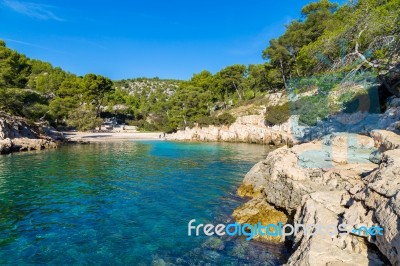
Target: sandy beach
{"x": 111, "y": 136}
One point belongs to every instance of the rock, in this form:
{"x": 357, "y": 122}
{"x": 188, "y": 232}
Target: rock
{"x": 390, "y": 119}
{"x": 258, "y": 210}
{"x": 375, "y": 156}
{"x": 321, "y": 249}
{"x": 381, "y": 195}
{"x": 287, "y": 174}
{"x": 17, "y": 134}
{"x": 249, "y": 129}
{"x": 16, "y": 127}
{"x": 25, "y": 144}
{"x": 331, "y": 182}
{"x": 213, "y": 243}
{"x": 158, "y": 262}
{"x": 385, "y": 140}
{"x": 5, "y": 146}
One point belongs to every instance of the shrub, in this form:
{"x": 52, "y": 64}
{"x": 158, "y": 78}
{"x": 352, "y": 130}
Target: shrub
{"x": 278, "y": 114}
{"x": 225, "y": 119}
{"x": 83, "y": 118}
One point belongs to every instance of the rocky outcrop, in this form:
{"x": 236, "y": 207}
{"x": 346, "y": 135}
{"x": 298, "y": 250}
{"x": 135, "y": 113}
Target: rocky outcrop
{"x": 381, "y": 194}
{"x": 259, "y": 210}
{"x": 390, "y": 120}
{"x": 333, "y": 181}
{"x": 385, "y": 140}
{"x": 249, "y": 129}
{"x": 318, "y": 249}
{"x": 17, "y": 134}
{"x": 290, "y": 173}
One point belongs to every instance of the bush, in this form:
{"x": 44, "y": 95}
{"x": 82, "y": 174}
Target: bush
{"x": 310, "y": 109}
{"x": 143, "y": 125}
{"x": 23, "y": 102}
{"x": 223, "y": 119}
{"x": 277, "y": 115}
{"x": 83, "y": 118}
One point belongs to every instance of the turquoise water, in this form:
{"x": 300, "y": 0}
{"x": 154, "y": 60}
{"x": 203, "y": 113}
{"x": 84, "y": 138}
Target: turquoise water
{"x": 125, "y": 203}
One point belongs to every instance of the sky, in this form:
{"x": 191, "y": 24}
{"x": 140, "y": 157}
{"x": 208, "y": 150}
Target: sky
{"x": 147, "y": 38}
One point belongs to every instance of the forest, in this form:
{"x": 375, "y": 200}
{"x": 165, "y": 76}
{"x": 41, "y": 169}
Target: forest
{"x": 329, "y": 44}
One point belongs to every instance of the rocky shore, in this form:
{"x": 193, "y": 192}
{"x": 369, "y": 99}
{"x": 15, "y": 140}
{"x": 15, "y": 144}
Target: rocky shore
{"x": 248, "y": 129}
{"x": 17, "y": 134}
{"x": 332, "y": 181}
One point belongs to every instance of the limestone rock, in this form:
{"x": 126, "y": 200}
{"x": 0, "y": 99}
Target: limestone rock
{"x": 25, "y": 144}
{"x": 381, "y": 194}
{"x": 385, "y": 140}
{"x": 17, "y": 134}
{"x": 332, "y": 182}
{"x": 5, "y": 146}
{"x": 249, "y": 129}
{"x": 321, "y": 249}
{"x": 258, "y": 210}
{"x": 287, "y": 174}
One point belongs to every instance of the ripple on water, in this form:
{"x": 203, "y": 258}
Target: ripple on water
{"x": 125, "y": 203}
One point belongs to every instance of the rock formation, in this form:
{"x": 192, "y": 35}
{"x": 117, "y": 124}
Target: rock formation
{"x": 249, "y": 129}
{"x": 332, "y": 181}
{"x": 17, "y": 134}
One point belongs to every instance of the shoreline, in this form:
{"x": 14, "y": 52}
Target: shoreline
{"x": 78, "y": 136}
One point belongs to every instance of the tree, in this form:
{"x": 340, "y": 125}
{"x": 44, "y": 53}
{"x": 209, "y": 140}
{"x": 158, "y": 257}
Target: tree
{"x": 262, "y": 77}
{"x": 84, "y": 118}
{"x": 231, "y": 80}
{"x": 95, "y": 88}
{"x": 14, "y": 68}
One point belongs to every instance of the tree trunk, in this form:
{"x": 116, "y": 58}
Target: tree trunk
{"x": 283, "y": 74}
{"x": 237, "y": 90}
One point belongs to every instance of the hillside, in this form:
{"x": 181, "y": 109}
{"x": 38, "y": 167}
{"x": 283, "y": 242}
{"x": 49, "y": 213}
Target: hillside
{"x": 317, "y": 62}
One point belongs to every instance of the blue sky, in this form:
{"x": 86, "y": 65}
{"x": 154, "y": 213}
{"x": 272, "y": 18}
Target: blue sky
{"x": 146, "y": 38}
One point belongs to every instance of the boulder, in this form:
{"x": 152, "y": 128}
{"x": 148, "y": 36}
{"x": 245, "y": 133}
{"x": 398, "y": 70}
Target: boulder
{"x": 258, "y": 210}
{"x": 5, "y": 146}
{"x": 385, "y": 140}
{"x": 17, "y": 134}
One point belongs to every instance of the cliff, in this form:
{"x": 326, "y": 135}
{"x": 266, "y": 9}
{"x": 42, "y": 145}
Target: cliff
{"x": 333, "y": 181}
{"x": 18, "y": 134}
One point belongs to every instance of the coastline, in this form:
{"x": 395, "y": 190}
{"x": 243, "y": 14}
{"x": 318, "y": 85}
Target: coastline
{"x": 78, "y": 136}
{"x": 331, "y": 182}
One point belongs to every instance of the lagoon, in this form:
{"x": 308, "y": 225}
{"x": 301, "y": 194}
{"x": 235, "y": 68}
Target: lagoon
{"x": 126, "y": 203}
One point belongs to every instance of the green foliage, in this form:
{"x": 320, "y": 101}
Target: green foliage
{"x": 321, "y": 46}
{"x": 84, "y": 118}
{"x": 25, "y": 103}
{"x": 230, "y": 80}
{"x": 310, "y": 109}
{"x": 14, "y": 68}
{"x": 223, "y": 119}
{"x": 277, "y": 115}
